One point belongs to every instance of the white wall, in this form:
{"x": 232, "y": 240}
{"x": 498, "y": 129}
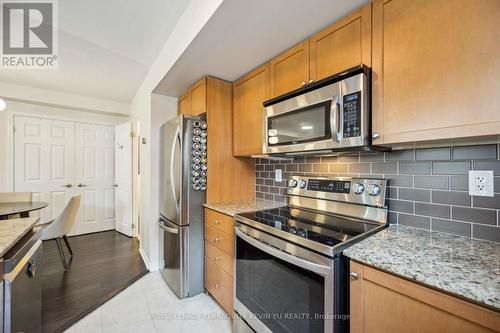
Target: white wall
{"x": 29, "y": 109}
{"x": 189, "y": 25}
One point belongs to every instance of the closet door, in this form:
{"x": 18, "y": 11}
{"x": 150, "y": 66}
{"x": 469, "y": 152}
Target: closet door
{"x": 95, "y": 177}
{"x": 44, "y": 162}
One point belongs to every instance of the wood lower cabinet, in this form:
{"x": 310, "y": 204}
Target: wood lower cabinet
{"x": 290, "y": 70}
{"x": 249, "y": 93}
{"x": 219, "y": 257}
{"x": 344, "y": 44}
{"x": 382, "y": 302}
{"x": 436, "y": 66}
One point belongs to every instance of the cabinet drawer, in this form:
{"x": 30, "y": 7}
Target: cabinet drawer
{"x": 221, "y": 258}
{"x": 220, "y": 221}
{"x": 219, "y": 284}
{"x": 220, "y": 239}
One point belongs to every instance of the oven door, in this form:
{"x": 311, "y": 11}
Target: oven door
{"x": 278, "y": 291}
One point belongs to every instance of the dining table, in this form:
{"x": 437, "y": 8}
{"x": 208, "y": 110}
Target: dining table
{"x": 21, "y": 208}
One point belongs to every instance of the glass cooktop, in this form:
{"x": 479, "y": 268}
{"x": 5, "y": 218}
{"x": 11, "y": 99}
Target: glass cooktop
{"x": 326, "y": 229}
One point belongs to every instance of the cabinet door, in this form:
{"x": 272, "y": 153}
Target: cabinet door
{"x": 184, "y": 105}
{"x": 290, "y": 70}
{"x": 198, "y": 97}
{"x": 343, "y": 45}
{"x": 249, "y": 93}
{"x": 435, "y": 69}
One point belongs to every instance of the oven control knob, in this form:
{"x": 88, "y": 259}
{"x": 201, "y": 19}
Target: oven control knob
{"x": 359, "y": 188}
{"x": 301, "y": 233}
{"x": 302, "y": 184}
{"x": 374, "y": 190}
{"x": 293, "y": 183}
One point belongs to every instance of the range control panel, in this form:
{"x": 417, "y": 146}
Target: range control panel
{"x": 328, "y": 185}
{"x": 352, "y": 114}
{"x": 365, "y": 191}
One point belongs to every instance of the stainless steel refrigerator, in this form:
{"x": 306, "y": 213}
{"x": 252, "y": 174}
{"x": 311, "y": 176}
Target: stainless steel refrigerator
{"x": 183, "y": 179}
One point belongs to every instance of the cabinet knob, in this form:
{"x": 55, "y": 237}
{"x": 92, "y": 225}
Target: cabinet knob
{"x": 311, "y": 81}
{"x": 218, "y": 239}
{"x": 216, "y": 222}
{"x": 67, "y": 185}
{"x": 303, "y": 83}
{"x": 82, "y": 185}
{"x": 375, "y": 135}
{"x": 217, "y": 285}
{"x": 217, "y": 258}
{"x": 354, "y": 275}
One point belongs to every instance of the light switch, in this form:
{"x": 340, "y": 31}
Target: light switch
{"x": 481, "y": 183}
{"x": 278, "y": 175}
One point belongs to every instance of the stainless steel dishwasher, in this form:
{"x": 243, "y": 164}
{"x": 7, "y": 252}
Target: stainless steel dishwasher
{"x": 22, "y": 285}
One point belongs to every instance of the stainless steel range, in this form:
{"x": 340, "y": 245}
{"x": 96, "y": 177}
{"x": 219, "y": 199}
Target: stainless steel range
{"x": 290, "y": 274}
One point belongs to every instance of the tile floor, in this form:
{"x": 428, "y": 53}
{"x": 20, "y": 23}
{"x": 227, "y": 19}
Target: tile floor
{"x": 149, "y": 305}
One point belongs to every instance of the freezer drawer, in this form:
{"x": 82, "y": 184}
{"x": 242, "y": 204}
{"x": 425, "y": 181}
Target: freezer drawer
{"x": 174, "y": 245}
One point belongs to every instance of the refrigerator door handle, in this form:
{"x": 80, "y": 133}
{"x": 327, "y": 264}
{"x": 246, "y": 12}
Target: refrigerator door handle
{"x": 167, "y": 229}
{"x": 173, "y": 181}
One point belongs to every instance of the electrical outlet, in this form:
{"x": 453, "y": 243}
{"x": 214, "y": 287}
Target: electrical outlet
{"x": 278, "y": 175}
{"x": 481, "y": 183}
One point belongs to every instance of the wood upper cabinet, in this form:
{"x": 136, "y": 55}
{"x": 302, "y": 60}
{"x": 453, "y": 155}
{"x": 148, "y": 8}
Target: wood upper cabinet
{"x": 249, "y": 92}
{"x": 290, "y": 70}
{"x": 198, "y": 97}
{"x": 382, "y": 302}
{"x": 436, "y": 66}
{"x": 344, "y": 44}
{"x": 184, "y": 105}
{"x": 194, "y": 101}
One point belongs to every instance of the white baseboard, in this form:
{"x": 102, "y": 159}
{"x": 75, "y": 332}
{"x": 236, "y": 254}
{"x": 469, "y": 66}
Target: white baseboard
{"x": 144, "y": 258}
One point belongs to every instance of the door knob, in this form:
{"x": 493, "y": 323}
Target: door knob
{"x": 67, "y": 185}
{"x": 82, "y": 185}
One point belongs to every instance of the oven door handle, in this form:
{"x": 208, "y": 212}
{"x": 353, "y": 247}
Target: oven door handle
{"x": 310, "y": 266}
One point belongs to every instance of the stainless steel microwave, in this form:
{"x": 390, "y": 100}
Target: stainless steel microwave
{"x": 324, "y": 117}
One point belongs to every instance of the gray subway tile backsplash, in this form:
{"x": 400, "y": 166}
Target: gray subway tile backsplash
{"x": 433, "y": 210}
{"x": 475, "y": 152}
{"x": 434, "y": 182}
{"x": 415, "y": 194}
{"x": 433, "y": 154}
{"x": 428, "y": 188}
{"x": 451, "y": 168}
{"x": 415, "y": 168}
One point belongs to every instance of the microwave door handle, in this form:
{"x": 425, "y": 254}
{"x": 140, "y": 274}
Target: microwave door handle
{"x": 335, "y": 119}
{"x": 313, "y": 267}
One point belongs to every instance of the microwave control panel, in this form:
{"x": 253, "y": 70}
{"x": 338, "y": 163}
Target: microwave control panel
{"x": 352, "y": 115}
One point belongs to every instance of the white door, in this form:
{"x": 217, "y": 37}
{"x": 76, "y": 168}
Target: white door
{"x": 95, "y": 177}
{"x": 44, "y": 161}
{"x": 123, "y": 179}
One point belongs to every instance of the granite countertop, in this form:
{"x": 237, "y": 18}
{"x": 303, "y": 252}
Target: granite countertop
{"x": 11, "y": 231}
{"x": 465, "y": 267}
{"x": 234, "y": 207}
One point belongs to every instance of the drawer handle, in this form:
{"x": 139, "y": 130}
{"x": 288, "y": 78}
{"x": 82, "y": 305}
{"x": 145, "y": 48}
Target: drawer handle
{"x": 217, "y": 285}
{"x": 217, "y": 258}
{"x": 354, "y": 275}
{"x": 218, "y": 239}
{"x": 216, "y": 222}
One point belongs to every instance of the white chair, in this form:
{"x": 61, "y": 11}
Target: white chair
{"x": 61, "y": 226}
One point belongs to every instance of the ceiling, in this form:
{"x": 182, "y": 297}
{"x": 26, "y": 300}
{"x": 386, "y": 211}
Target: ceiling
{"x": 105, "y": 47}
{"x": 243, "y": 34}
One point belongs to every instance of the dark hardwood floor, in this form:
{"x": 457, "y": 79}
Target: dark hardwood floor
{"x": 103, "y": 264}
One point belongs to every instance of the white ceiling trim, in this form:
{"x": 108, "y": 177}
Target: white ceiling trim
{"x": 58, "y": 99}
